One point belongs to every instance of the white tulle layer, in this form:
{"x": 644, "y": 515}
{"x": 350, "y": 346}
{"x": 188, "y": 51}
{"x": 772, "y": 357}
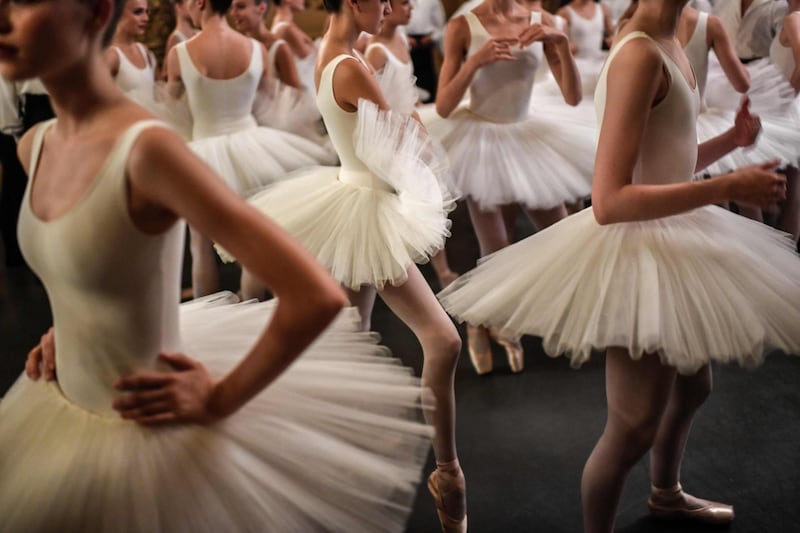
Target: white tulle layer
{"x": 371, "y": 227}
{"x": 542, "y": 161}
{"x": 287, "y": 108}
{"x": 779, "y": 140}
{"x": 701, "y": 286}
{"x": 770, "y": 94}
{"x": 252, "y": 158}
{"x": 363, "y": 236}
{"x": 333, "y": 445}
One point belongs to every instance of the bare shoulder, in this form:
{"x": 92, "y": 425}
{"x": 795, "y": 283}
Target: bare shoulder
{"x": 636, "y": 58}
{"x": 457, "y": 32}
{"x": 156, "y": 147}
{"x": 792, "y": 22}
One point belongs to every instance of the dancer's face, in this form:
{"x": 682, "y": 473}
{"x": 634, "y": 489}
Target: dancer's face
{"x": 135, "y": 17}
{"x": 401, "y": 12}
{"x": 194, "y": 8}
{"x": 247, "y": 15}
{"x": 369, "y": 14}
{"x": 40, "y": 38}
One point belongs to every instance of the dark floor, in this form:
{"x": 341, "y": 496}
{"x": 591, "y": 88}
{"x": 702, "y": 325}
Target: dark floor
{"x": 523, "y": 438}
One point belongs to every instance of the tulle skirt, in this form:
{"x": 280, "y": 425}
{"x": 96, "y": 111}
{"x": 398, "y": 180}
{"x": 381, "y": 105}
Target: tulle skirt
{"x": 541, "y": 162}
{"x": 369, "y": 226}
{"x": 255, "y": 157}
{"x": 362, "y": 235}
{"x": 701, "y": 286}
{"x": 333, "y": 445}
{"x": 770, "y": 94}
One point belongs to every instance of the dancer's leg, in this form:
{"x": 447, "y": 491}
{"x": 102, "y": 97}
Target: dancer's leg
{"x": 205, "y": 274}
{"x": 251, "y": 287}
{"x": 363, "y": 300}
{"x": 637, "y": 393}
{"x": 441, "y": 266}
{"x": 415, "y": 304}
{"x": 544, "y": 218}
{"x": 489, "y": 227}
{"x": 687, "y": 395}
{"x": 667, "y": 497}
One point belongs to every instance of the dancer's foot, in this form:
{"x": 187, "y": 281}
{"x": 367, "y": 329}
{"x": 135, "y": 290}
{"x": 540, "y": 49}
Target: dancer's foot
{"x": 674, "y": 503}
{"x": 448, "y": 488}
{"x": 513, "y": 348}
{"x": 480, "y": 351}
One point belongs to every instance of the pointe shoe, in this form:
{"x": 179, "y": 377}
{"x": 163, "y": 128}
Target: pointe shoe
{"x": 674, "y": 503}
{"x": 450, "y": 474}
{"x": 513, "y": 348}
{"x": 480, "y": 351}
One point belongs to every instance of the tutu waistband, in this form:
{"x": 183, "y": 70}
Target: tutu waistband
{"x": 364, "y": 178}
{"x": 213, "y": 129}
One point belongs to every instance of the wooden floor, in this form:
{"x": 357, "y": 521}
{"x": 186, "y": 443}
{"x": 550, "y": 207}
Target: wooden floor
{"x": 523, "y": 438}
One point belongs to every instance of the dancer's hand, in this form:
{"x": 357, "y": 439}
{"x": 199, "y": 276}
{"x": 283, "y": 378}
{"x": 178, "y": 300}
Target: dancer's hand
{"x": 540, "y": 32}
{"x": 156, "y": 398}
{"x": 747, "y": 126}
{"x": 758, "y": 185}
{"x": 43, "y": 357}
{"x": 494, "y": 50}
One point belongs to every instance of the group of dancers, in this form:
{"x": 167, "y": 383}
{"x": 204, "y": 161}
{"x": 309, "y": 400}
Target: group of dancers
{"x": 287, "y": 414}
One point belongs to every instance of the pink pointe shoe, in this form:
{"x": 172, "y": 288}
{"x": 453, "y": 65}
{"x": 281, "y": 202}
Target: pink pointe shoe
{"x": 674, "y": 503}
{"x": 480, "y": 351}
{"x": 513, "y": 348}
{"x": 446, "y": 479}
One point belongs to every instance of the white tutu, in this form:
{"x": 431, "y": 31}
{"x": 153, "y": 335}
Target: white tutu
{"x": 157, "y": 100}
{"x": 700, "y": 286}
{"x": 779, "y": 140}
{"x": 398, "y": 86}
{"x": 333, "y": 445}
{"x": 368, "y": 227}
{"x": 542, "y": 161}
{"x": 770, "y": 94}
{"x": 287, "y": 108}
{"x": 251, "y": 158}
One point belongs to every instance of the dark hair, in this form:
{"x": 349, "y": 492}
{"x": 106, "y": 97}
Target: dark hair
{"x": 332, "y": 6}
{"x": 277, "y": 2}
{"x": 112, "y": 23}
{"x": 220, "y": 6}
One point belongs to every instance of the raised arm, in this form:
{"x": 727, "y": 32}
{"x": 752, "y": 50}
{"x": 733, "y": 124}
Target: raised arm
{"x": 458, "y": 70}
{"x": 165, "y": 175}
{"x": 559, "y": 57}
{"x": 636, "y": 82}
{"x": 720, "y": 42}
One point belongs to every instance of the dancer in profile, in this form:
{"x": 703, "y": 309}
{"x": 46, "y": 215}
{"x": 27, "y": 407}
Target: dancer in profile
{"x": 502, "y": 153}
{"x": 184, "y": 28}
{"x": 371, "y": 219}
{"x": 248, "y": 15}
{"x": 331, "y": 443}
{"x": 653, "y": 273}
